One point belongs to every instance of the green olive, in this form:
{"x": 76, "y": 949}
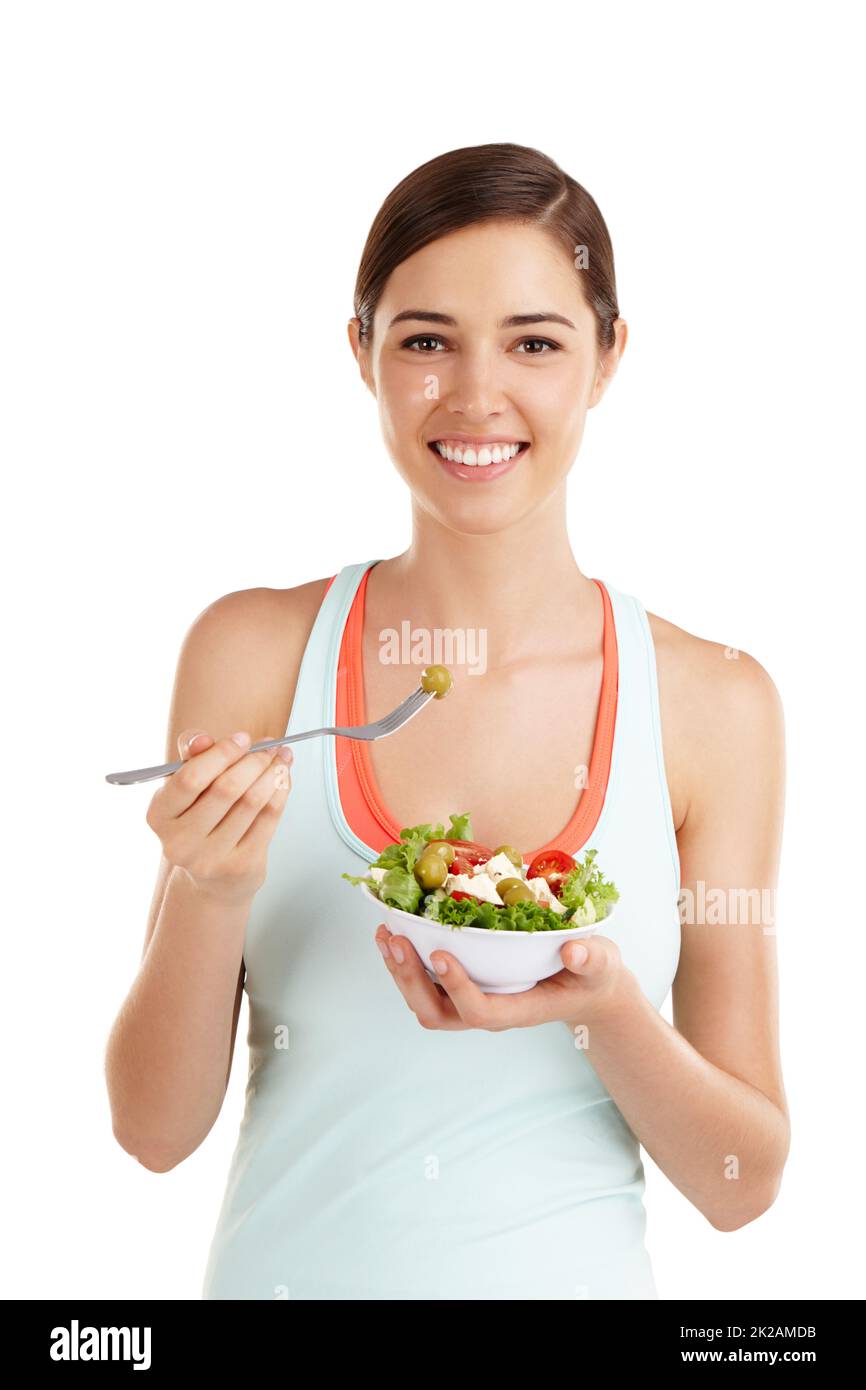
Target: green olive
{"x": 514, "y": 890}
{"x": 431, "y": 871}
{"x": 520, "y": 894}
{"x": 511, "y": 853}
{"x": 443, "y": 849}
{"x": 436, "y": 680}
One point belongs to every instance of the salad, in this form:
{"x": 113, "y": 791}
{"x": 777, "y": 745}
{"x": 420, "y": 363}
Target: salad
{"x": 447, "y": 876}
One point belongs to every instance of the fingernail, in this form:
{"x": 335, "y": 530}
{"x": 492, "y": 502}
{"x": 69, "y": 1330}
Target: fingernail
{"x": 241, "y": 739}
{"x": 578, "y": 954}
{"x": 397, "y": 953}
{"x": 285, "y": 753}
{"x": 440, "y": 966}
{"x": 383, "y": 946}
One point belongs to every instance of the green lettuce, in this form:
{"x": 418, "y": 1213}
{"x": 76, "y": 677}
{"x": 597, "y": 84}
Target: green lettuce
{"x": 586, "y": 893}
{"x": 472, "y": 912}
{"x": 414, "y": 840}
{"x": 399, "y": 887}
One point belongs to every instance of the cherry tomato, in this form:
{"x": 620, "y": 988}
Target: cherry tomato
{"x": 460, "y": 866}
{"x": 554, "y": 865}
{"x": 471, "y": 851}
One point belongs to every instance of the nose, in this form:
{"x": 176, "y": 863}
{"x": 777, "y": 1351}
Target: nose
{"x": 474, "y": 388}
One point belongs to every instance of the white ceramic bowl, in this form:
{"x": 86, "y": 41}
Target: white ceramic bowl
{"x": 499, "y": 962}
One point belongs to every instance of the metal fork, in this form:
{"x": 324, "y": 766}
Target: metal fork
{"x": 388, "y": 724}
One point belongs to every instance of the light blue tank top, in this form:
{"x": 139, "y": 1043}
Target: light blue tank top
{"x": 380, "y": 1160}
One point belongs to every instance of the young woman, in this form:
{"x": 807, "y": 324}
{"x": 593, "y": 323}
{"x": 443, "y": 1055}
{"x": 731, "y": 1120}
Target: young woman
{"x": 404, "y": 1139}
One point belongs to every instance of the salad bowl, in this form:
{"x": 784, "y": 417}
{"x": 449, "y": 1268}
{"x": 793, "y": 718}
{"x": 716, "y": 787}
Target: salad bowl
{"x": 504, "y": 919}
{"x": 498, "y": 962}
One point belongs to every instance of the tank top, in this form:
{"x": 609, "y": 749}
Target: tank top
{"x": 377, "y": 1159}
{"x": 358, "y": 799}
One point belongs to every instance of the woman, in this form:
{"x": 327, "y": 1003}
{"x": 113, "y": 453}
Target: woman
{"x": 468, "y": 1145}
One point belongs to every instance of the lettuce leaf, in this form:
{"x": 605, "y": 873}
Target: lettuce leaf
{"x": 406, "y": 852}
{"x": 585, "y": 891}
{"x": 362, "y": 878}
{"x": 461, "y": 829}
{"x": 401, "y": 889}
{"x": 525, "y": 916}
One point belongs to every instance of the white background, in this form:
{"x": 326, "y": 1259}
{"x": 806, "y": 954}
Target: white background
{"x": 187, "y": 190}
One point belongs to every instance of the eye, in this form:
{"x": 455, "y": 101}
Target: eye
{"x": 420, "y": 338}
{"x": 545, "y": 342}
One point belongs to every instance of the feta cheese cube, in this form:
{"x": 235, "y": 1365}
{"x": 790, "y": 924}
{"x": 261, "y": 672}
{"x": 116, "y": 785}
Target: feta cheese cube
{"x": 540, "y": 888}
{"x": 500, "y": 866}
{"x": 479, "y": 885}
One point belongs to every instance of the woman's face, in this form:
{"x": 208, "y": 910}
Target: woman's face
{"x": 465, "y": 352}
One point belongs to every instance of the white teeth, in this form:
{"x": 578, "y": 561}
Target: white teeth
{"x": 459, "y": 453}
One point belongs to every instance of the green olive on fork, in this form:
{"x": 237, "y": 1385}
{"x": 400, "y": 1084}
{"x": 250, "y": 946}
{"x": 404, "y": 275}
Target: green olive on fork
{"x": 436, "y": 680}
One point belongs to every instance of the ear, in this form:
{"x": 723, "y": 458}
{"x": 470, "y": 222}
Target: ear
{"x": 608, "y": 362}
{"x": 361, "y": 353}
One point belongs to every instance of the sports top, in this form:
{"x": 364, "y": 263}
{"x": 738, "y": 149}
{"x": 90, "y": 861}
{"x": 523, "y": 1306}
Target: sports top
{"x": 377, "y": 1159}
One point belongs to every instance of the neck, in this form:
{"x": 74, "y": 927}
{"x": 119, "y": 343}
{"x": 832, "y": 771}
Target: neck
{"x": 522, "y": 585}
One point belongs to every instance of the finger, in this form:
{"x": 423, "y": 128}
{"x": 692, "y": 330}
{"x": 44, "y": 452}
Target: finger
{"x": 191, "y": 742}
{"x": 263, "y": 826}
{"x": 590, "y": 957}
{"x": 230, "y": 787}
{"x": 237, "y": 823}
{"x": 430, "y": 1005}
{"x": 183, "y": 788}
{"x": 492, "y": 1011}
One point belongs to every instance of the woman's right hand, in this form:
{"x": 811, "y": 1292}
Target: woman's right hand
{"x": 215, "y": 817}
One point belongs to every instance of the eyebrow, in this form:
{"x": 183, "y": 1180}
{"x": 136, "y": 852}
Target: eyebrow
{"x": 513, "y": 320}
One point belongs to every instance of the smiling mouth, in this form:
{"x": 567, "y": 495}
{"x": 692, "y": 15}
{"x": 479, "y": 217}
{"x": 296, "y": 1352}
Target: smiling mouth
{"x": 478, "y": 456}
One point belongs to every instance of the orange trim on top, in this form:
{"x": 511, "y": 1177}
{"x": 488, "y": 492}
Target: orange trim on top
{"x": 360, "y": 799}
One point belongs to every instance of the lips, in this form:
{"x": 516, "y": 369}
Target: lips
{"x": 478, "y": 472}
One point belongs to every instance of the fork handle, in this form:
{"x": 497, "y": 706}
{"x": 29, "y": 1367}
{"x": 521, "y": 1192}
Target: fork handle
{"x": 148, "y": 774}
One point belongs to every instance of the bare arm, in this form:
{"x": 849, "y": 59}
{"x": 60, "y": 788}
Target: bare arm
{"x": 169, "y": 1054}
{"x": 706, "y": 1098}
{"x": 168, "y": 1057}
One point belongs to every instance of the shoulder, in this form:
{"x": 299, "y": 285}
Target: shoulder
{"x": 260, "y": 613}
{"x": 720, "y": 709}
{"x": 240, "y": 657}
{"x": 709, "y": 678}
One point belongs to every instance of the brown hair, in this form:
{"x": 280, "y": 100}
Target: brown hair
{"x": 478, "y": 184}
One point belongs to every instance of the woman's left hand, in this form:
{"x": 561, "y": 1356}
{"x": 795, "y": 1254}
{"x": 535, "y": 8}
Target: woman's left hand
{"x": 591, "y": 983}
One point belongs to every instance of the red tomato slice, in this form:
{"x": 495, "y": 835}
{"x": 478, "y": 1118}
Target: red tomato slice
{"x": 460, "y": 866}
{"x": 554, "y": 865}
{"x": 458, "y": 893}
{"x": 471, "y": 851}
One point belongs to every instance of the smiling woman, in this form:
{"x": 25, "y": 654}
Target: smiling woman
{"x": 424, "y": 1140}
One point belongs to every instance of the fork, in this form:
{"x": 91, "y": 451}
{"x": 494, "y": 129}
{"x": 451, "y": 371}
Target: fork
{"x": 381, "y": 728}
